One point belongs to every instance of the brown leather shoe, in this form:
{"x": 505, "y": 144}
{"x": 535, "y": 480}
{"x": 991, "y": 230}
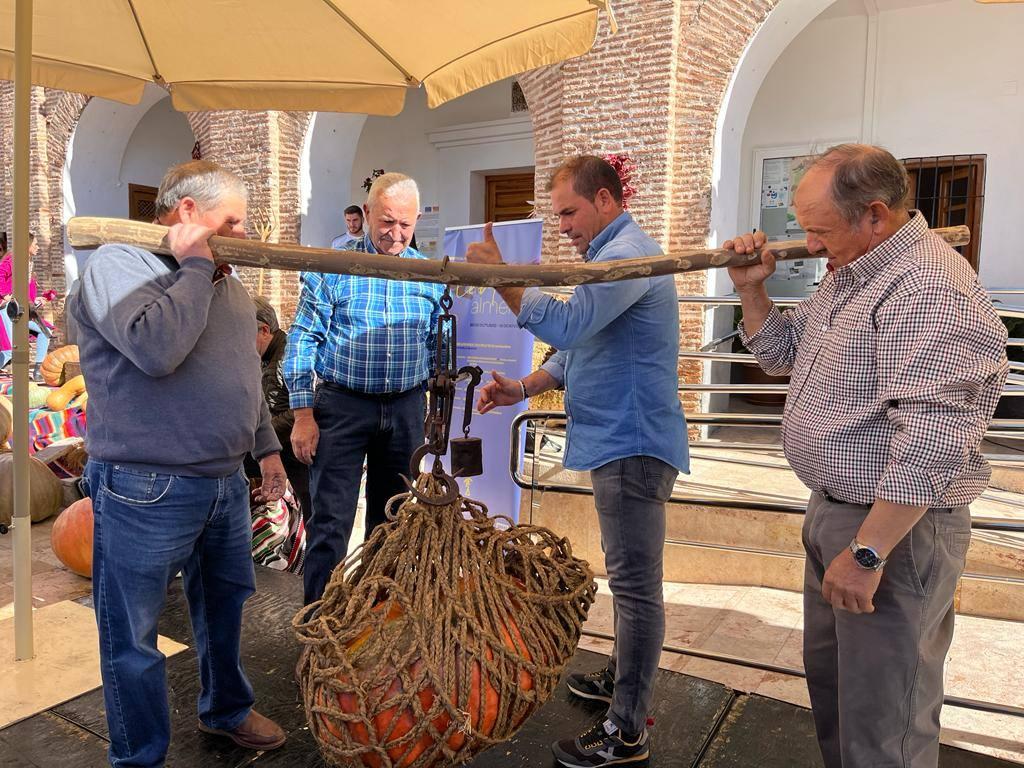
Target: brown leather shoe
{"x": 255, "y": 732}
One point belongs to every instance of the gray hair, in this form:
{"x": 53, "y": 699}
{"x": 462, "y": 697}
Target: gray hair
{"x": 265, "y": 313}
{"x": 391, "y": 185}
{"x": 861, "y": 175}
{"x": 205, "y": 182}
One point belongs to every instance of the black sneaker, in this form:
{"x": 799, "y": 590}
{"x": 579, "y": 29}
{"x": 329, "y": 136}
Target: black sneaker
{"x": 602, "y": 744}
{"x": 597, "y": 686}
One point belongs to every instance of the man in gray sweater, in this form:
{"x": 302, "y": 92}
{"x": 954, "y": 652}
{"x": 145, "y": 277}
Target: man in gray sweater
{"x": 175, "y": 404}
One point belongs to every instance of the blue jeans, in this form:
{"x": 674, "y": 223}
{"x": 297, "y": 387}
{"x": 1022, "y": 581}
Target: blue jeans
{"x": 147, "y": 528}
{"x": 384, "y": 430}
{"x": 42, "y": 340}
{"x": 630, "y": 496}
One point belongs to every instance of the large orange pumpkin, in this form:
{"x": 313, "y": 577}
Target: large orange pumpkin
{"x": 71, "y": 537}
{"x": 393, "y": 723}
{"x": 54, "y": 361}
{"x": 6, "y": 421}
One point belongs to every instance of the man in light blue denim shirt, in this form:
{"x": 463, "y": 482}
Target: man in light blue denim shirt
{"x": 618, "y": 355}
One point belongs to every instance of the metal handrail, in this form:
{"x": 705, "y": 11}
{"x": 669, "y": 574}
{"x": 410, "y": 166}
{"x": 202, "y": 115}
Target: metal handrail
{"x": 977, "y": 523}
{"x": 740, "y": 661}
{"x": 789, "y": 301}
{"x": 1009, "y": 390}
{"x": 746, "y": 357}
{"x": 778, "y": 506}
{"x": 765, "y": 419}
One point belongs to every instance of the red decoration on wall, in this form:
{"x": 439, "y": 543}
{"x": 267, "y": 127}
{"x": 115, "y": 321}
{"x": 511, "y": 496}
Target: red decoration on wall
{"x": 624, "y": 166}
{"x": 368, "y": 181}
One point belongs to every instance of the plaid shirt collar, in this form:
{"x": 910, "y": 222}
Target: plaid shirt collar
{"x": 862, "y": 269}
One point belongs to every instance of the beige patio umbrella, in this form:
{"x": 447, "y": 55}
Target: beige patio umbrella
{"x": 329, "y": 55}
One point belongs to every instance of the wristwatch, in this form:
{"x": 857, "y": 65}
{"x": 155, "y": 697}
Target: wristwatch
{"x": 866, "y": 557}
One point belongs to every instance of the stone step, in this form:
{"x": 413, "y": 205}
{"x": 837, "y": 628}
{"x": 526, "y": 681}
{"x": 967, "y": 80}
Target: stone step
{"x": 726, "y": 545}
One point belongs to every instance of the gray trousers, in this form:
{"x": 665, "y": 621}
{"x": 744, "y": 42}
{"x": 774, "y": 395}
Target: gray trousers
{"x": 875, "y": 680}
{"x": 630, "y": 496}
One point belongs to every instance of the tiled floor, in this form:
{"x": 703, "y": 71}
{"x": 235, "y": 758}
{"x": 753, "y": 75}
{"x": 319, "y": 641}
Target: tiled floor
{"x": 986, "y": 661}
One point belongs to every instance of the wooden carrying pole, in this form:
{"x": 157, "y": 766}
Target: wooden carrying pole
{"x": 89, "y": 232}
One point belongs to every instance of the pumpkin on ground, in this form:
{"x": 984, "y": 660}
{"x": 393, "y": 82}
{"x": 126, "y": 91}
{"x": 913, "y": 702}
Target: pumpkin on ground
{"x": 71, "y": 537}
{"x": 45, "y": 491}
{"x": 54, "y": 361}
{"x": 37, "y": 395}
{"x": 440, "y": 636}
{"x": 390, "y": 725}
{"x": 59, "y": 399}
{"x": 6, "y": 421}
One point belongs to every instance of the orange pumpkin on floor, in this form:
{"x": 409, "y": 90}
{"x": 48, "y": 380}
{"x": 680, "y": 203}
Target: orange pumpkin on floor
{"x": 71, "y": 537}
{"x": 393, "y": 723}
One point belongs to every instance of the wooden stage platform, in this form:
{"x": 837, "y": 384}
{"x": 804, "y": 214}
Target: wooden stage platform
{"x": 697, "y": 722}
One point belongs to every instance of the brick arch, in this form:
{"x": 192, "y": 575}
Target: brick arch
{"x": 543, "y": 91}
{"x": 263, "y": 148}
{"x": 761, "y": 49}
{"x": 654, "y": 91}
{"x": 712, "y": 42}
{"x": 62, "y": 110}
{"x": 54, "y": 115}
{"x": 291, "y": 132}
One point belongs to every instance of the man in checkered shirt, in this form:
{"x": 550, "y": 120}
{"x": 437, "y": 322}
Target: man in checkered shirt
{"x": 370, "y": 343}
{"x": 896, "y": 365}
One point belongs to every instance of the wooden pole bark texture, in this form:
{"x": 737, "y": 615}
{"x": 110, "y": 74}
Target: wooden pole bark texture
{"x": 91, "y": 232}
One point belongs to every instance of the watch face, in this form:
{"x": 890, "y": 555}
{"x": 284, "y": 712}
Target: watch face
{"x": 866, "y": 558}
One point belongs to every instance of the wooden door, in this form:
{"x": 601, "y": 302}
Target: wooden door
{"x": 508, "y": 197}
{"x": 949, "y": 191}
{"x": 954, "y": 203}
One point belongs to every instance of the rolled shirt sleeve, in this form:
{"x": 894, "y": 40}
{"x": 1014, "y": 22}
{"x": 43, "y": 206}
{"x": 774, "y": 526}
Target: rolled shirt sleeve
{"x": 941, "y": 380}
{"x": 555, "y": 367}
{"x": 776, "y": 341}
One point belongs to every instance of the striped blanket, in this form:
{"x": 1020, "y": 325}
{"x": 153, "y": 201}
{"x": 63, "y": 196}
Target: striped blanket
{"x": 46, "y": 426}
{"x": 278, "y": 535}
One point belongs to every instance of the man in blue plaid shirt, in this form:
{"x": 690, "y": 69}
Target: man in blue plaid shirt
{"x": 370, "y": 343}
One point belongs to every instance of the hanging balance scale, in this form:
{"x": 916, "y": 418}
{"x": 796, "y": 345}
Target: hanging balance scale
{"x": 466, "y": 452}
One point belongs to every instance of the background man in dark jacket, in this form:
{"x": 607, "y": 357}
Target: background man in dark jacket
{"x": 270, "y": 343}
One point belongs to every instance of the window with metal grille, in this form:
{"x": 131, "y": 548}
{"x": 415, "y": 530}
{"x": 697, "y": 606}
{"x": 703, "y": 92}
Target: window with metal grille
{"x": 142, "y": 203}
{"x": 518, "y": 98}
{"x": 949, "y": 190}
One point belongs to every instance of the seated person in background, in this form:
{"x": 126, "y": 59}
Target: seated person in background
{"x": 270, "y": 343}
{"x": 36, "y": 325}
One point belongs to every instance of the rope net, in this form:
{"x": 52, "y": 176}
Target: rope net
{"x": 440, "y": 636}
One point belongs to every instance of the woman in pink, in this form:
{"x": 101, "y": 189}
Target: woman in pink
{"x": 36, "y": 326}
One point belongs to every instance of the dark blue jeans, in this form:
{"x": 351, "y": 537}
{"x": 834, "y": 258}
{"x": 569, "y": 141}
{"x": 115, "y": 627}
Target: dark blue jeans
{"x": 382, "y": 430}
{"x": 630, "y": 496}
{"x": 148, "y": 527}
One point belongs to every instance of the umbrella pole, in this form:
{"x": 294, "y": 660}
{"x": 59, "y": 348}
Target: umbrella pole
{"x": 21, "y": 522}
